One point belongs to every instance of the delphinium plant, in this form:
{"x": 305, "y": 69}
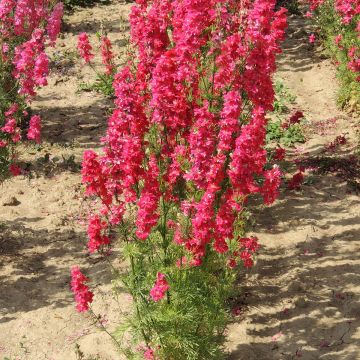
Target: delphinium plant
{"x": 27, "y": 27}
{"x": 339, "y": 26}
{"x": 183, "y": 152}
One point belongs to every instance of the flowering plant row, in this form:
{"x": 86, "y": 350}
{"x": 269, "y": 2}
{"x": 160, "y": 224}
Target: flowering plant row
{"x": 27, "y": 27}
{"x": 339, "y": 23}
{"x": 183, "y": 152}
{"x": 104, "y": 79}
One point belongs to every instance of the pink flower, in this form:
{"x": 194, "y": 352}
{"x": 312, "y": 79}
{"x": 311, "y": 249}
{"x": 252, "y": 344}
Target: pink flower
{"x": 250, "y": 244}
{"x": 147, "y": 216}
{"x": 160, "y": 288}
{"x": 338, "y": 39}
{"x": 270, "y": 188}
{"x": 246, "y": 257}
{"x": 34, "y": 129}
{"x": 107, "y": 55}
{"x": 232, "y": 263}
{"x": 149, "y": 354}
{"x": 54, "y": 21}
{"x": 10, "y": 126}
{"x": 84, "y": 47}
{"x": 83, "y": 295}
{"x": 97, "y": 238}
{"x": 41, "y": 69}
{"x": 94, "y": 177}
{"x": 31, "y": 64}
{"x": 12, "y": 110}
{"x": 185, "y": 134}
{"x": 312, "y": 38}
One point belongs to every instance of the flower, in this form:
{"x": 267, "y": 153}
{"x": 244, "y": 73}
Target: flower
{"x": 147, "y": 215}
{"x": 189, "y": 126}
{"x": 296, "y": 117}
{"x": 84, "y": 47}
{"x": 107, "y": 55}
{"x": 54, "y": 21}
{"x": 279, "y": 154}
{"x": 95, "y": 233}
{"x": 149, "y": 354}
{"x": 83, "y": 295}
{"x": 34, "y": 129}
{"x": 296, "y": 181}
{"x": 312, "y": 38}
{"x": 160, "y": 288}
{"x": 15, "y": 170}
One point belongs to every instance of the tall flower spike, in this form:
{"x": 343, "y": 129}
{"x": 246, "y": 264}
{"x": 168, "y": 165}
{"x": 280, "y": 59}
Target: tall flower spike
{"x": 83, "y": 295}
{"x": 85, "y": 47}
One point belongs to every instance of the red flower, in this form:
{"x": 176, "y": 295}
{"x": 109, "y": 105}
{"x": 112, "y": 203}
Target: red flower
{"x": 97, "y": 239}
{"x": 160, "y": 288}
{"x": 296, "y": 117}
{"x": 85, "y": 47}
{"x": 15, "y": 170}
{"x": 279, "y": 154}
{"x": 83, "y": 295}
{"x": 296, "y": 181}
{"x": 34, "y": 129}
{"x": 107, "y": 55}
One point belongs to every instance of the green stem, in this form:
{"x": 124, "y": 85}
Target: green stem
{"x": 103, "y": 328}
{"x": 146, "y": 339}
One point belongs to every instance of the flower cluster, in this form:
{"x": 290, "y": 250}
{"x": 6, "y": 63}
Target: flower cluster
{"x": 95, "y": 231}
{"x": 160, "y": 288}
{"x": 104, "y": 78}
{"x": 344, "y": 29}
{"x": 84, "y": 47}
{"x": 107, "y": 55}
{"x": 34, "y": 132}
{"x": 246, "y": 251}
{"x": 296, "y": 181}
{"x": 27, "y": 27}
{"x": 195, "y": 115}
{"x": 83, "y": 295}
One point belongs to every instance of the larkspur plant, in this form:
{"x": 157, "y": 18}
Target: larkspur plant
{"x": 27, "y": 27}
{"x": 339, "y": 25}
{"x": 104, "y": 79}
{"x": 184, "y": 150}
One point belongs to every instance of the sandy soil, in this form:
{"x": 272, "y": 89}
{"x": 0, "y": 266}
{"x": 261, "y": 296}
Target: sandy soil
{"x": 301, "y": 300}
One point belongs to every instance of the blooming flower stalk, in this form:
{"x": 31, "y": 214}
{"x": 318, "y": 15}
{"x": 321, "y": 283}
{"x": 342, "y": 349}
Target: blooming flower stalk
{"x": 85, "y": 48}
{"x": 82, "y": 293}
{"x": 34, "y": 132}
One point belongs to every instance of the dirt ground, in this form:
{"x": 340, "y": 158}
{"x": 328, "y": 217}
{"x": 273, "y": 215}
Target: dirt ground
{"x": 301, "y": 300}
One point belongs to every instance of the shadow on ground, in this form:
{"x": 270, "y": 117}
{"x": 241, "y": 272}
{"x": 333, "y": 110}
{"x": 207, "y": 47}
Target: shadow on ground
{"x": 298, "y": 54}
{"x": 76, "y": 125}
{"x": 35, "y": 267}
{"x": 309, "y": 291}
